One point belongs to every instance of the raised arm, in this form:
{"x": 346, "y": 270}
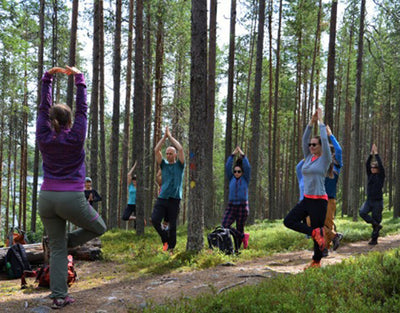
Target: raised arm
{"x": 129, "y": 175}
{"x": 326, "y": 153}
{"x": 80, "y": 122}
{"x": 307, "y": 133}
{"x": 336, "y": 145}
{"x": 177, "y": 145}
{"x": 228, "y": 167}
{"x": 157, "y": 149}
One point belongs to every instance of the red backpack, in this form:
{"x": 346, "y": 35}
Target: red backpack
{"x": 43, "y": 275}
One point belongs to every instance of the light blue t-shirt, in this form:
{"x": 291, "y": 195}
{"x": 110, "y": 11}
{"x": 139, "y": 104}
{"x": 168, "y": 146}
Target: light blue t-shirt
{"x": 172, "y": 177}
{"x": 132, "y": 194}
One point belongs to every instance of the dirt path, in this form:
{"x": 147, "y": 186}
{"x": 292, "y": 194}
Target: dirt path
{"x": 120, "y": 294}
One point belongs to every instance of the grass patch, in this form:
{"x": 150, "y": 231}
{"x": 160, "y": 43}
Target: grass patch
{"x": 143, "y": 255}
{"x": 364, "y": 284}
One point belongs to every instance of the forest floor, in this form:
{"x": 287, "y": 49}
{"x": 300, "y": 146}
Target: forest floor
{"x": 124, "y": 293}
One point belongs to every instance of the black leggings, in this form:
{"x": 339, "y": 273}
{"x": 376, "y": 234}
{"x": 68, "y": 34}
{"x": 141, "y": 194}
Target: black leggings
{"x": 169, "y": 209}
{"x": 316, "y": 209}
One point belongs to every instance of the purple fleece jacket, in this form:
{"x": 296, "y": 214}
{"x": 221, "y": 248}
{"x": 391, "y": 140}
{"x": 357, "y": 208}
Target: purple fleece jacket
{"x": 63, "y": 153}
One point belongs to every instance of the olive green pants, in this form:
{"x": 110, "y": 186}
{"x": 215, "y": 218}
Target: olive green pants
{"x": 55, "y": 209}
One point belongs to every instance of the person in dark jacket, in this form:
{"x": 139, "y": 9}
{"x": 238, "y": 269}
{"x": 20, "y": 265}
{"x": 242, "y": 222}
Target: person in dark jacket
{"x": 238, "y": 207}
{"x": 91, "y": 194}
{"x": 374, "y": 202}
{"x": 61, "y": 196}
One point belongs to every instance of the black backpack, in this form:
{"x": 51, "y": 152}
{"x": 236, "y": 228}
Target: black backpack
{"x": 223, "y": 239}
{"x": 16, "y": 261}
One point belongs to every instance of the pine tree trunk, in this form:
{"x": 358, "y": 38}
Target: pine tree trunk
{"x": 197, "y": 126}
{"x": 255, "y": 117}
{"x": 138, "y": 118}
{"x": 229, "y": 101}
{"x": 356, "y": 150}
{"x": 209, "y": 188}
{"x": 114, "y": 147}
{"x": 72, "y": 50}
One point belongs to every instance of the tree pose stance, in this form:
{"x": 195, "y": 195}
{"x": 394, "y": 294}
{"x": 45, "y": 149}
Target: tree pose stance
{"x": 61, "y": 197}
{"x": 316, "y": 162}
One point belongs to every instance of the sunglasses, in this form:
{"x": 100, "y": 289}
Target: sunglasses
{"x": 313, "y": 144}
{"x": 374, "y": 167}
{"x": 237, "y": 172}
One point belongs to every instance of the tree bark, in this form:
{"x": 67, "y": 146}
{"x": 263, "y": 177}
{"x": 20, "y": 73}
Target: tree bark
{"x": 356, "y": 149}
{"x": 330, "y": 78}
{"x": 114, "y": 147}
{"x": 197, "y": 128}
{"x": 255, "y": 117}
{"x": 72, "y": 50}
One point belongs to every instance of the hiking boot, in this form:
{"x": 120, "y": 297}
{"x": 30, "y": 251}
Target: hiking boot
{"x": 373, "y": 242}
{"x": 336, "y": 241}
{"x": 60, "y": 302}
{"x": 318, "y": 236}
{"x": 325, "y": 253}
{"x": 165, "y": 246}
{"x": 246, "y": 240}
{"x": 313, "y": 264}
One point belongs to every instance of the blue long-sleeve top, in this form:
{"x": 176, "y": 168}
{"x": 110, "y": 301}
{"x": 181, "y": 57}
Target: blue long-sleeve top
{"x": 314, "y": 170}
{"x": 300, "y": 179}
{"x": 331, "y": 183}
{"x": 63, "y": 153}
{"x": 238, "y": 187}
{"x": 375, "y": 181}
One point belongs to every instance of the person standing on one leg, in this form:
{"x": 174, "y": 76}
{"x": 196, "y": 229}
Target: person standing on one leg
{"x": 317, "y": 159}
{"x": 330, "y": 185}
{"x": 374, "y": 203}
{"x": 61, "y": 196}
{"x": 130, "y": 210}
{"x": 167, "y": 204}
{"x": 238, "y": 207}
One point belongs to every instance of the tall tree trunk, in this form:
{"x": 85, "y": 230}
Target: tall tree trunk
{"x": 274, "y": 173}
{"x": 114, "y": 150}
{"x": 38, "y": 95}
{"x": 330, "y": 79}
{"x": 396, "y": 207}
{"x": 125, "y": 143}
{"x": 72, "y": 50}
{"x": 198, "y": 120}
{"x": 356, "y": 149}
{"x": 138, "y": 118}
{"x": 229, "y": 101}
{"x": 270, "y": 106}
{"x": 347, "y": 131}
{"x": 148, "y": 160}
{"x": 103, "y": 163}
{"x": 94, "y": 103}
{"x": 255, "y": 117}
{"x": 209, "y": 188}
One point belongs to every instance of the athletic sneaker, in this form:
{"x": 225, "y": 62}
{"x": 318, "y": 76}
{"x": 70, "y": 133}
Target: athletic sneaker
{"x": 165, "y": 246}
{"x": 313, "y": 264}
{"x": 60, "y": 302}
{"x": 318, "y": 236}
{"x": 336, "y": 241}
{"x": 246, "y": 240}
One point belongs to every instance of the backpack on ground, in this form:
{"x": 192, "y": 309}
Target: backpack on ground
{"x": 223, "y": 239}
{"x": 42, "y": 275}
{"x": 16, "y": 261}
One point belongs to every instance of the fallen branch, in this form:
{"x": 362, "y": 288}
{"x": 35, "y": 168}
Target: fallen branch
{"x": 231, "y": 286}
{"x": 90, "y": 251}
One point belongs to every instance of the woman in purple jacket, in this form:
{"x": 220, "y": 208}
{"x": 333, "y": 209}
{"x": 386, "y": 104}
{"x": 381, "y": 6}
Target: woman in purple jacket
{"x": 61, "y": 197}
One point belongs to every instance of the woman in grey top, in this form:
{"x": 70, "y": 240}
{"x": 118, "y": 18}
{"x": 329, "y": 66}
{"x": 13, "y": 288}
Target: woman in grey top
{"x": 317, "y": 158}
